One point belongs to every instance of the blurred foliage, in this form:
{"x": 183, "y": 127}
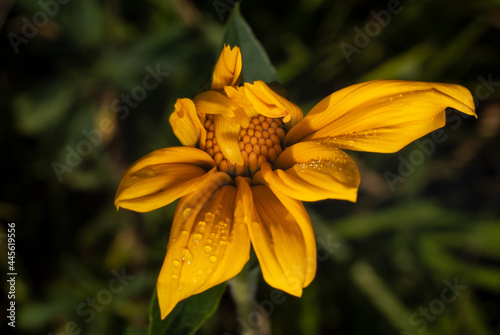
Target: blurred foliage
{"x": 76, "y": 113}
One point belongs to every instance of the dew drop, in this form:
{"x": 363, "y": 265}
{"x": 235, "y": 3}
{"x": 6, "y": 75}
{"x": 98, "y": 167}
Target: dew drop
{"x": 209, "y": 241}
{"x": 201, "y": 225}
{"x": 212, "y": 259}
{"x": 223, "y": 238}
{"x": 187, "y": 257}
{"x": 197, "y": 238}
{"x": 199, "y": 272}
{"x": 187, "y": 212}
{"x": 174, "y": 277}
{"x": 181, "y": 288}
{"x": 175, "y": 263}
{"x": 208, "y": 248}
{"x": 184, "y": 233}
{"x": 351, "y": 143}
{"x": 209, "y": 217}
{"x": 222, "y": 243}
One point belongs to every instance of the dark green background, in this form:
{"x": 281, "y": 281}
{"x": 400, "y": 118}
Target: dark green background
{"x": 381, "y": 260}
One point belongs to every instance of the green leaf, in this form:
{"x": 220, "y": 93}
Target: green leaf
{"x": 189, "y": 314}
{"x": 38, "y": 112}
{"x": 256, "y": 63}
{"x": 381, "y": 296}
{"x": 442, "y": 252}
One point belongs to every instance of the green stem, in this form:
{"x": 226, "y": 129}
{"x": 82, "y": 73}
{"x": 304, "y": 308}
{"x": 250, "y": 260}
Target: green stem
{"x": 243, "y": 288}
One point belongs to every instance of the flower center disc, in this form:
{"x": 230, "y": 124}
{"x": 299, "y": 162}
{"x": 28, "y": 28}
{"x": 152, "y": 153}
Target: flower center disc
{"x": 261, "y": 142}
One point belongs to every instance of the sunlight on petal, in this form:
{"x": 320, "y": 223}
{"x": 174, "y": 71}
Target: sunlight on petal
{"x": 309, "y": 172}
{"x": 359, "y": 117}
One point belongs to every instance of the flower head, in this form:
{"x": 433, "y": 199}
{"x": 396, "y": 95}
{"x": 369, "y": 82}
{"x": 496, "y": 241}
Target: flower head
{"x": 249, "y": 158}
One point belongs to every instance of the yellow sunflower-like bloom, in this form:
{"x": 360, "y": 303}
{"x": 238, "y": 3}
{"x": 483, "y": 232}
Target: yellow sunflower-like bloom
{"x": 249, "y": 160}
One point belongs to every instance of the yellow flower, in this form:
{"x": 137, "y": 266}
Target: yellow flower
{"x": 249, "y": 160}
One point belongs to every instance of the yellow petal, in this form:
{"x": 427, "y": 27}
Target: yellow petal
{"x": 157, "y": 186}
{"x": 212, "y": 102}
{"x": 308, "y": 172}
{"x": 238, "y": 97}
{"x": 244, "y": 211}
{"x": 227, "y": 71}
{"x": 226, "y": 135}
{"x": 162, "y": 177}
{"x": 207, "y": 245}
{"x": 270, "y": 104}
{"x": 382, "y": 115}
{"x": 187, "y": 125}
{"x": 283, "y": 241}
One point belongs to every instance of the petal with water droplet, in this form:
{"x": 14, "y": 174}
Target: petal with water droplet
{"x": 310, "y": 172}
{"x": 204, "y": 264}
{"x": 381, "y": 115}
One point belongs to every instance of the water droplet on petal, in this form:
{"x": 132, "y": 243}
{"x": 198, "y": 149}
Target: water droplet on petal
{"x": 199, "y": 272}
{"x": 175, "y": 263}
{"x": 184, "y": 233}
{"x": 208, "y": 248}
{"x": 174, "y": 277}
{"x": 197, "y": 238}
{"x": 222, "y": 243}
{"x": 187, "y": 212}
{"x": 187, "y": 257}
{"x": 209, "y": 217}
{"x": 212, "y": 259}
{"x": 351, "y": 143}
{"x": 201, "y": 225}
